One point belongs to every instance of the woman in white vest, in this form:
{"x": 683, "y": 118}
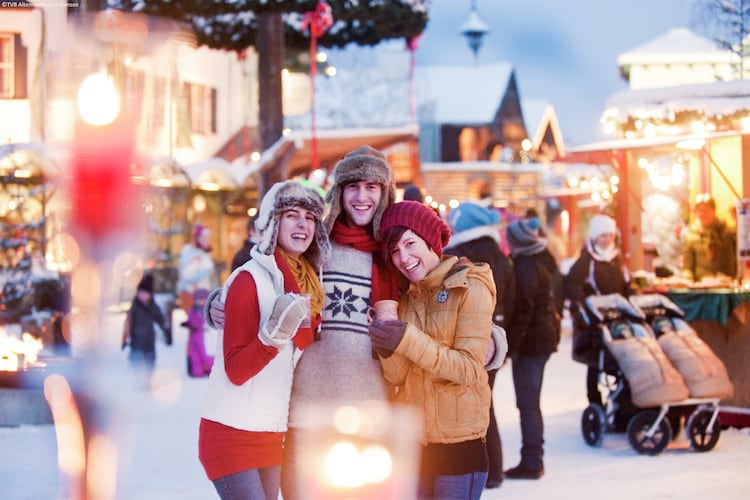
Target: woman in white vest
{"x": 245, "y": 411}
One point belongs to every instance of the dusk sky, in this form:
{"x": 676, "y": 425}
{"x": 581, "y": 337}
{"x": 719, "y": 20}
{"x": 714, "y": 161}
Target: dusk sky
{"x": 564, "y": 51}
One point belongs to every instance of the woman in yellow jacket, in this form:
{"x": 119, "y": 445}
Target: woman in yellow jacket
{"x": 434, "y": 354}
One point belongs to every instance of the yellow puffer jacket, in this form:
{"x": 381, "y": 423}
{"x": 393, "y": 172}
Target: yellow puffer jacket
{"x": 438, "y": 367}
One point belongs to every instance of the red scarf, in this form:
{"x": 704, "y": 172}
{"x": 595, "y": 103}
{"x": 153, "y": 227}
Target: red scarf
{"x": 384, "y": 278}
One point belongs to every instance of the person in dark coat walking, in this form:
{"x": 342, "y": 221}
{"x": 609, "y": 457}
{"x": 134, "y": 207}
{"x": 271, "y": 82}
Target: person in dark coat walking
{"x": 139, "y": 332}
{"x": 476, "y": 236}
{"x": 533, "y": 335}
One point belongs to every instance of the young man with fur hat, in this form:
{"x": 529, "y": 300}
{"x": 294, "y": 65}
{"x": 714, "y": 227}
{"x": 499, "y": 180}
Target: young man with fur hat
{"x": 340, "y": 368}
{"x": 246, "y": 406}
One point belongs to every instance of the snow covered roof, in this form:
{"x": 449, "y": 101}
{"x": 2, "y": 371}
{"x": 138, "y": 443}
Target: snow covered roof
{"x": 296, "y": 146}
{"x": 678, "y": 45}
{"x": 462, "y": 94}
{"x": 643, "y": 143}
{"x": 533, "y": 111}
{"x": 538, "y": 115}
{"x": 710, "y": 99}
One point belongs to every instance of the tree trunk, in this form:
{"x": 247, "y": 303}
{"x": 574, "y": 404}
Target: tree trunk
{"x": 270, "y": 47}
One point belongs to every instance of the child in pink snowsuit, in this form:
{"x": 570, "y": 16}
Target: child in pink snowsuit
{"x": 199, "y": 363}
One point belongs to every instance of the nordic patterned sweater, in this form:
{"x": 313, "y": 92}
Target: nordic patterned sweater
{"x": 340, "y": 368}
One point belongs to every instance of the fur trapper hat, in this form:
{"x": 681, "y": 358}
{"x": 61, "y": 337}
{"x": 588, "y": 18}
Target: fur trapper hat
{"x": 362, "y": 164}
{"x": 283, "y": 196}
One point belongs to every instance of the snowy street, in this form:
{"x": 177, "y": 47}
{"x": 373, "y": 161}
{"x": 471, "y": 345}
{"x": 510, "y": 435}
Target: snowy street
{"x": 158, "y": 454}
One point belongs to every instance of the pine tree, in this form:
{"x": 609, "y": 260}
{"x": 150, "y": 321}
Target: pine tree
{"x": 273, "y": 25}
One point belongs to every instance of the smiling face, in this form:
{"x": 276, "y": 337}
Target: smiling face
{"x": 296, "y": 230}
{"x": 361, "y": 200}
{"x": 413, "y": 257}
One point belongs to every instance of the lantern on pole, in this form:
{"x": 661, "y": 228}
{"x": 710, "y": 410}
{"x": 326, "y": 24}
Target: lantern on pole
{"x": 474, "y": 30}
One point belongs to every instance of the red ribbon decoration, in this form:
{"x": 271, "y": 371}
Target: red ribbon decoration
{"x": 319, "y": 21}
{"x": 412, "y": 43}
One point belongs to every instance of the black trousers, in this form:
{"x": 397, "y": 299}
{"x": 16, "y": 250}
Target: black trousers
{"x": 494, "y": 444}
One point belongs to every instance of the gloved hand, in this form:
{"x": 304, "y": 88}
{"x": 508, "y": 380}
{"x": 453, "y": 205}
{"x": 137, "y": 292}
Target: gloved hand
{"x": 288, "y": 312}
{"x": 498, "y": 348}
{"x": 386, "y": 335}
{"x": 214, "y": 309}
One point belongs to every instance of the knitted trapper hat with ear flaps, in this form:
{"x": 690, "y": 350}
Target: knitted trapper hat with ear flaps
{"x": 362, "y": 164}
{"x": 283, "y": 196}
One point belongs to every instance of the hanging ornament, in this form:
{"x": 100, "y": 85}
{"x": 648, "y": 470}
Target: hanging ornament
{"x": 319, "y": 21}
{"x": 412, "y": 43}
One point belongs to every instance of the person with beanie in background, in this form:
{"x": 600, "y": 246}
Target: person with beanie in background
{"x": 434, "y": 354}
{"x": 533, "y": 335}
{"x": 476, "y": 236}
{"x": 245, "y": 409}
{"x": 199, "y": 362}
{"x": 195, "y": 266}
{"x": 339, "y": 367}
{"x": 139, "y": 332}
{"x": 598, "y": 270}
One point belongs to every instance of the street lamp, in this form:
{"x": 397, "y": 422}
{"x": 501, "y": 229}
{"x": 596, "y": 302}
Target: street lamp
{"x": 474, "y": 30}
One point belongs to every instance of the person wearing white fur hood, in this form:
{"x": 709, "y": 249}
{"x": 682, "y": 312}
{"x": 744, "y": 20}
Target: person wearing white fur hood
{"x": 599, "y": 270}
{"x": 246, "y": 407}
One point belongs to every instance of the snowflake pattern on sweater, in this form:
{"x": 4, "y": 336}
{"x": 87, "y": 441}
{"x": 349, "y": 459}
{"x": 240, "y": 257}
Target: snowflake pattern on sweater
{"x": 340, "y": 366}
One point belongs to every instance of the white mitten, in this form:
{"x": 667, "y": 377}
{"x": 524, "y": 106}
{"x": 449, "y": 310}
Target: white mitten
{"x": 214, "y": 309}
{"x": 288, "y": 312}
{"x": 498, "y": 348}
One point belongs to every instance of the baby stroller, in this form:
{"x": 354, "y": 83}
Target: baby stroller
{"x": 643, "y": 389}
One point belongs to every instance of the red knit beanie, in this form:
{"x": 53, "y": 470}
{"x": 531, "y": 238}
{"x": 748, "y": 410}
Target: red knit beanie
{"x": 422, "y": 220}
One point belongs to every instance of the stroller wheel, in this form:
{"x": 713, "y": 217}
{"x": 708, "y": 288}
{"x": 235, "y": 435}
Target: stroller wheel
{"x": 638, "y": 433}
{"x": 593, "y": 425}
{"x": 702, "y": 438}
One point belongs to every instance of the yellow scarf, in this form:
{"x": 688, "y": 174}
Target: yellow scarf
{"x": 306, "y": 278}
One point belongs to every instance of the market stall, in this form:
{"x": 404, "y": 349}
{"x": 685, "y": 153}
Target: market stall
{"x": 721, "y": 317}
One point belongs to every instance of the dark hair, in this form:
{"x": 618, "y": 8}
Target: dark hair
{"x": 412, "y": 192}
{"x": 390, "y": 240}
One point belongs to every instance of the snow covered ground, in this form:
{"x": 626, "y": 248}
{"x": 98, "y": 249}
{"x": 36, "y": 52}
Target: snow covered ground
{"x": 158, "y": 450}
